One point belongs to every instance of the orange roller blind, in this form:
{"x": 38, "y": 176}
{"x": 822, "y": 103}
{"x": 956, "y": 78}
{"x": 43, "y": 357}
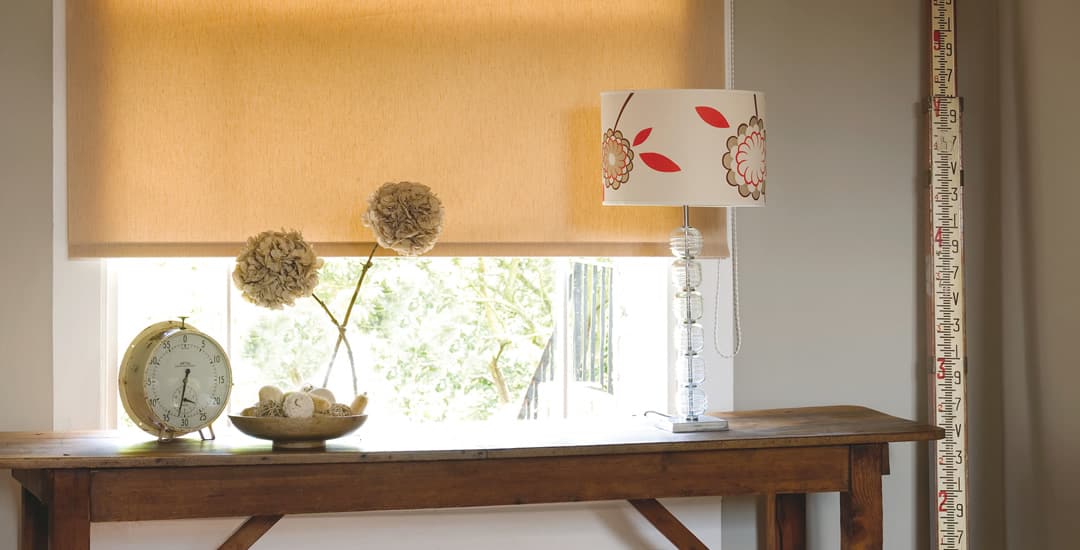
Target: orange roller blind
{"x": 193, "y": 124}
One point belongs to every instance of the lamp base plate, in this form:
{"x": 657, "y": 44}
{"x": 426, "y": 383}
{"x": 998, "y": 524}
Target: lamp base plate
{"x": 702, "y": 424}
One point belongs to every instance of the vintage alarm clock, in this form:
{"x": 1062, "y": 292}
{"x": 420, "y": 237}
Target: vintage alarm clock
{"x": 175, "y": 380}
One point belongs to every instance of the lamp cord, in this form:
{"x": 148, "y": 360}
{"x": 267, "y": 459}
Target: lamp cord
{"x": 735, "y": 295}
{"x": 729, "y": 82}
{"x": 729, "y": 32}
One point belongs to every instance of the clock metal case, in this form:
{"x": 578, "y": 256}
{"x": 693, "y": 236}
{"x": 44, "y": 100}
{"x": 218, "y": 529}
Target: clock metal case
{"x": 132, "y": 375}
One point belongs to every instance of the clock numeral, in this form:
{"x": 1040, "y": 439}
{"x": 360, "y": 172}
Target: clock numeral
{"x": 155, "y": 361}
{"x": 166, "y": 417}
{"x": 221, "y": 380}
{"x": 185, "y": 338}
{"x": 155, "y": 401}
{"x": 216, "y": 400}
{"x": 184, "y": 421}
{"x": 202, "y": 417}
{"x": 217, "y": 358}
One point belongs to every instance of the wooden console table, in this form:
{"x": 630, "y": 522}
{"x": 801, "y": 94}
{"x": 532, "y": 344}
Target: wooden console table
{"x": 72, "y": 479}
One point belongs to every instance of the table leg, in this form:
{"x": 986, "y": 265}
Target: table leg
{"x": 860, "y": 506}
{"x": 791, "y": 521}
{"x": 785, "y": 521}
{"x": 771, "y": 529}
{"x": 69, "y": 510}
{"x": 34, "y": 527}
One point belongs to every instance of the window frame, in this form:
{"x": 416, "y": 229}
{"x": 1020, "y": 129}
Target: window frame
{"x": 93, "y": 323}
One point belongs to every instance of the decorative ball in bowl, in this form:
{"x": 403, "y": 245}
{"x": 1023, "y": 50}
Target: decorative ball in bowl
{"x": 302, "y": 419}
{"x": 298, "y": 433}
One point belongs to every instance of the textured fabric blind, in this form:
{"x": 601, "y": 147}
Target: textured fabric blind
{"x": 195, "y": 123}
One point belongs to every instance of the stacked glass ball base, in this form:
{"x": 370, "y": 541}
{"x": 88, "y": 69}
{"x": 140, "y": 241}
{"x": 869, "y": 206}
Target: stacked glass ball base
{"x": 688, "y": 305}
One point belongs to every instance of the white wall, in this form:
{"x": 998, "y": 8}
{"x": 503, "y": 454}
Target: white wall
{"x": 79, "y": 322}
{"x": 609, "y": 525}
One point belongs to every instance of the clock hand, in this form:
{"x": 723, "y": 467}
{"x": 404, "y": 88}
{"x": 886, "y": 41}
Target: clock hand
{"x": 187, "y": 372}
{"x": 184, "y": 399}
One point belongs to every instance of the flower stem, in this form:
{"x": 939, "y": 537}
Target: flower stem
{"x": 360, "y": 281}
{"x": 621, "y": 109}
{"x": 337, "y": 346}
{"x": 326, "y": 309}
{"x": 352, "y": 363}
{"x": 345, "y": 323}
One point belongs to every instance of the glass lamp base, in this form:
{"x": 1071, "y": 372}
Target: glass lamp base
{"x": 704, "y": 423}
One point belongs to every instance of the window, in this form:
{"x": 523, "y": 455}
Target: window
{"x": 316, "y": 143}
{"x": 434, "y": 339}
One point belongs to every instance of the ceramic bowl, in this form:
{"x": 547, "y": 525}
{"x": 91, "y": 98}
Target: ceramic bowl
{"x": 298, "y": 433}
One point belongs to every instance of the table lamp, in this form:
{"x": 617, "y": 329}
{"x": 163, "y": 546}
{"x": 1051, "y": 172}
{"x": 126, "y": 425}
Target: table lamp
{"x": 684, "y": 148}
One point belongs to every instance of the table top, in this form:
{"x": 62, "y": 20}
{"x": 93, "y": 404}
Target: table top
{"x": 795, "y": 427}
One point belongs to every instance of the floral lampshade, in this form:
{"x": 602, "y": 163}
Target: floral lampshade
{"x": 683, "y": 147}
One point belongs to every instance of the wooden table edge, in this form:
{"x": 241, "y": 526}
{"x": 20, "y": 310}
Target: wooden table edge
{"x": 351, "y": 456}
{"x": 45, "y": 476}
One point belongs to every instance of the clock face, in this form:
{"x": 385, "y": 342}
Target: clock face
{"x": 187, "y": 381}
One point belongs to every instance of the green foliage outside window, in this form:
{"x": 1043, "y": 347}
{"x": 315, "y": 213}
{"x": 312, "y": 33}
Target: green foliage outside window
{"x": 443, "y": 338}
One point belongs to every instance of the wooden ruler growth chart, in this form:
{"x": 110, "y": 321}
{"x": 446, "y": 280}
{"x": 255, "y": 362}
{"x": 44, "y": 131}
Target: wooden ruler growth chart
{"x": 949, "y": 379}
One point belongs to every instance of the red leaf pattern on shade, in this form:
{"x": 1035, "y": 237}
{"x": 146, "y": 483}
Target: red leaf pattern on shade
{"x": 659, "y": 162}
{"x": 712, "y": 117}
{"x": 642, "y": 136}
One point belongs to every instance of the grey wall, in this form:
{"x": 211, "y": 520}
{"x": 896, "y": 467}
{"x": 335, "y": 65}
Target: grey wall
{"x": 831, "y": 282}
{"x": 833, "y": 275}
{"x": 26, "y": 226}
{"x": 25, "y": 220}
{"x": 1040, "y": 260}
{"x": 978, "y": 80}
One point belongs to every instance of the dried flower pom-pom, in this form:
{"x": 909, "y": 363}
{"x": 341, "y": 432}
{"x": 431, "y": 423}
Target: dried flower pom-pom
{"x": 275, "y": 268}
{"x": 406, "y": 217}
{"x": 269, "y": 408}
{"x": 339, "y": 409}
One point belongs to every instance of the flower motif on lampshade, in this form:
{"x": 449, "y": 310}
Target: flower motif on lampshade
{"x": 745, "y": 159}
{"x": 689, "y": 153}
{"x": 618, "y": 159}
